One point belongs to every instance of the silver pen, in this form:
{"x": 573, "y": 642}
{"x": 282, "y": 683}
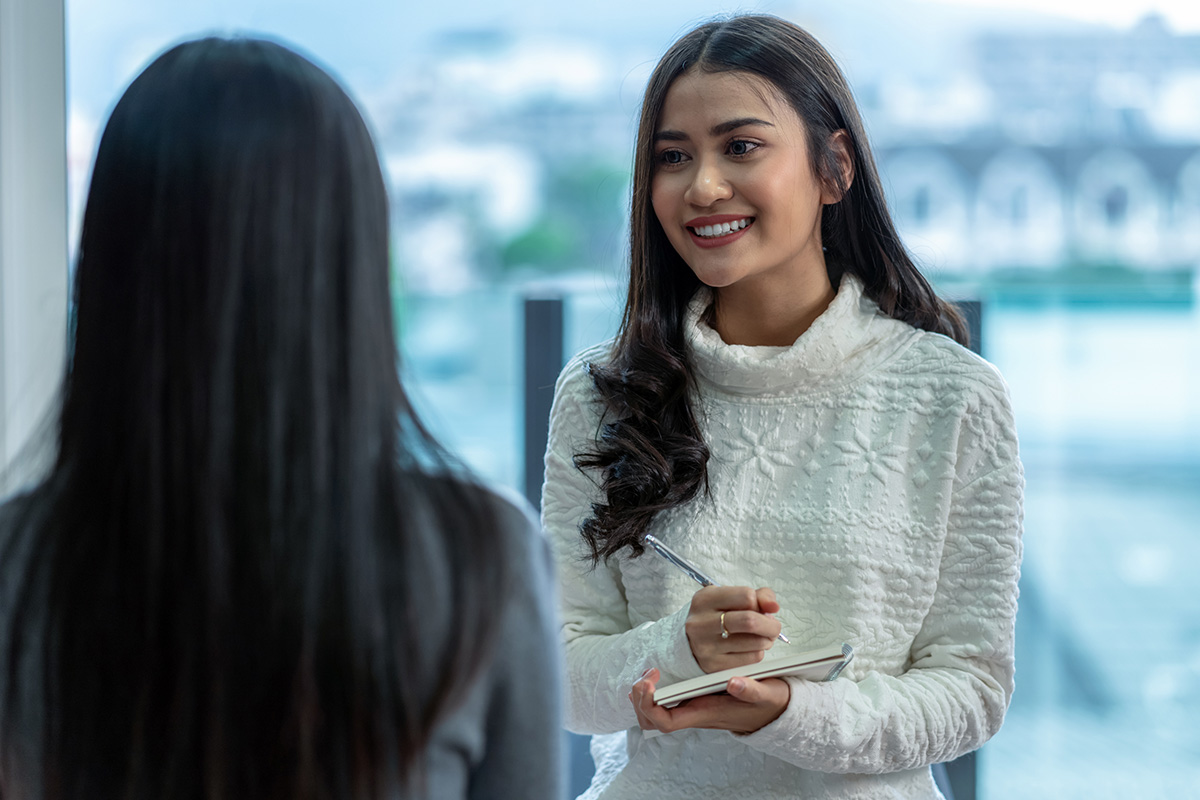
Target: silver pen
{"x": 689, "y": 569}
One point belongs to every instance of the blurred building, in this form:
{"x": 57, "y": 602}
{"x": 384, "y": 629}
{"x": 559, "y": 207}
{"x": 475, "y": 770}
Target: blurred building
{"x": 1003, "y": 204}
{"x": 483, "y": 142}
{"x": 1045, "y": 151}
{"x": 1084, "y": 151}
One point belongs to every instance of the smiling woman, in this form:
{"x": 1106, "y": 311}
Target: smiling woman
{"x": 771, "y": 303}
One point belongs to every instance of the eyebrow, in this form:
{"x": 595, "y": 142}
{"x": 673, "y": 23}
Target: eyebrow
{"x": 716, "y": 130}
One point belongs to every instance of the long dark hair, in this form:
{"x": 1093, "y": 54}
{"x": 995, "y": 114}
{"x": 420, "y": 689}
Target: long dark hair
{"x": 650, "y": 451}
{"x": 223, "y": 588}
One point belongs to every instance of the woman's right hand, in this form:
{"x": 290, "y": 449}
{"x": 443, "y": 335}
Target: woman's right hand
{"x": 751, "y": 630}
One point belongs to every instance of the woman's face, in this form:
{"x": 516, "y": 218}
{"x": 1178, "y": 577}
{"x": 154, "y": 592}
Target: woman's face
{"x": 733, "y": 186}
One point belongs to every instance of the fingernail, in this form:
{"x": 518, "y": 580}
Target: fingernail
{"x": 736, "y": 685}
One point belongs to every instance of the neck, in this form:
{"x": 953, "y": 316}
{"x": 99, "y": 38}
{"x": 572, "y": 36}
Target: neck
{"x": 764, "y": 316}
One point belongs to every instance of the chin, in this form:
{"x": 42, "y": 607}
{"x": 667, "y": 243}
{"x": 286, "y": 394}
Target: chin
{"x": 714, "y": 281}
{"x": 715, "y": 278}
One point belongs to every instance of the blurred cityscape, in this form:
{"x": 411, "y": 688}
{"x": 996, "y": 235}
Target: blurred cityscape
{"x": 1041, "y": 153}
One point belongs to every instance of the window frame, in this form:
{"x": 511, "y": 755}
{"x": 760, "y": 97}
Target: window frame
{"x": 33, "y": 217}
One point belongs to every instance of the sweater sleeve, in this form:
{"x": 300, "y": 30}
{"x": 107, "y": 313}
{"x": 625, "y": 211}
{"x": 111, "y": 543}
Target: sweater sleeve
{"x": 954, "y": 695}
{"x": 605, "y": 653}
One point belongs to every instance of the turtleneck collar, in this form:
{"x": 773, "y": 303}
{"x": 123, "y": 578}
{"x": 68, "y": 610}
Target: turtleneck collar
{"x": 836, "y": 348}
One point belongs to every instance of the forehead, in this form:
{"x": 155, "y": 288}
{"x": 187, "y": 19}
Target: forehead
{"x": 708, "y": 98}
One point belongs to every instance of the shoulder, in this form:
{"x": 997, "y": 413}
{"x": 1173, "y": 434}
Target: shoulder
{"x": 952, "y": 373}
{"x": 518, "y": 551}
{"x": 577, "y": 404}
{"x": 15, "y": 505}
{"x": 575, "y": 380}
{"x": 965, "y": 390}
{"x": 513, "y": 704}
{"x": 517, "y": 522}
{"x": 525, "y": 544}
{"x": 529, "y": 596}
{"x": 19, "y": 515}
{"x": 509, "y": 515}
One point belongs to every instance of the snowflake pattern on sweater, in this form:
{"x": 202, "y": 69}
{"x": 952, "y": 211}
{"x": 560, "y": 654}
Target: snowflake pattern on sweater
{"x": 869, "y": 474}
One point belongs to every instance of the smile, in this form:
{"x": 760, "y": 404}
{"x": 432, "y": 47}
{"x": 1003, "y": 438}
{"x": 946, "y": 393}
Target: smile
{"x": 718, "y": 232}
{"x": 721, "y": 228}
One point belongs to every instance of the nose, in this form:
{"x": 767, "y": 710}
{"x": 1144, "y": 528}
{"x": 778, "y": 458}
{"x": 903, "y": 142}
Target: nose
{"x": 708, "y": 185}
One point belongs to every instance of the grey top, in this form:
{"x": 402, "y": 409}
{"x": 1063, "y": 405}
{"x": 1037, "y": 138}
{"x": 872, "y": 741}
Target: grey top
{"x": 505, "y": 740}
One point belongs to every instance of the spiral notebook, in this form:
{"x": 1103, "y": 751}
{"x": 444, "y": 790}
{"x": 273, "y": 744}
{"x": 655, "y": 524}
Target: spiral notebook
{"x": 824, "y": 664}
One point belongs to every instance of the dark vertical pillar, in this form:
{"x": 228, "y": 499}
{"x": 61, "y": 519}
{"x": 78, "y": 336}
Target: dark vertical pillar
{"x": 972, "y": 311}
{"x": 963, "y": 774}
{"x": 543, "y": 361}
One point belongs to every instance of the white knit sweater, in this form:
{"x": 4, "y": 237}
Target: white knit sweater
{"x": 869, "y": 475}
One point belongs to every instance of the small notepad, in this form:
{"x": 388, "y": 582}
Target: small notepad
{"x": 824, "y": 664}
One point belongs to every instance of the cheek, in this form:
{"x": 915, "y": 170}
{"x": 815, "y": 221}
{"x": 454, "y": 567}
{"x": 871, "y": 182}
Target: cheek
{"x": 666, "y": 210}
{"x": 788, "y": 186}
{"x": 660, "y": 201}
{"x": 802, "y": 199}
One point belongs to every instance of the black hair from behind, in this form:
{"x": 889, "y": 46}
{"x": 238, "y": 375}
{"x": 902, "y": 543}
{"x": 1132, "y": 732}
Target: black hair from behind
{"x": 220, "y": 590}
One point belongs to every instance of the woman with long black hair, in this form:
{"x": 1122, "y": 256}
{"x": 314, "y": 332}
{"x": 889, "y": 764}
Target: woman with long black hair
{"x": 789, "y": 406}
{"x": 250, "y": 572}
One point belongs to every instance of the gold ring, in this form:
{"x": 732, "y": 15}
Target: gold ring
{"x": 724, "y": 632}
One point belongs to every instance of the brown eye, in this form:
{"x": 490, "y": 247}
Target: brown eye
{"x": 740, "y": 147}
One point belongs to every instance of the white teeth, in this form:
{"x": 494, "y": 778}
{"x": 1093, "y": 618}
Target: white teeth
{"x": 722, "y": 229}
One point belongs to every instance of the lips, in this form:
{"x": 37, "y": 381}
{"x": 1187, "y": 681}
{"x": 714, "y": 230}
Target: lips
{"x": 719, "y": 230}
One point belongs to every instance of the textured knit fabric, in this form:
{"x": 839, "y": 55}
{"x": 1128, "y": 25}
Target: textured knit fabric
{"x": 868, "y": 474}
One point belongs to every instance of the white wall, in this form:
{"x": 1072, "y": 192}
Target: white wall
{"x": 33, "y": 214}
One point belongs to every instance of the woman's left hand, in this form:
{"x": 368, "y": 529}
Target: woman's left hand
{"x": 748, "y": 706}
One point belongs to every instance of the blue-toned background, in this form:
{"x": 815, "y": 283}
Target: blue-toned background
{"x": 1046, "y": 165}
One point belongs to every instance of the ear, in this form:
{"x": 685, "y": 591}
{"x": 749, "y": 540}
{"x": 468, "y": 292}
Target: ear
{"x": 842, "y": 151}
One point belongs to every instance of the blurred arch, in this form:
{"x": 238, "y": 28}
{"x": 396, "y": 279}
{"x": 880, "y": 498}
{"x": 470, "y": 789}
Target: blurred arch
{"x": 1118, "y": 210}
{"x": 929, "y": 197}
{"x": 1019, "y": 212}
